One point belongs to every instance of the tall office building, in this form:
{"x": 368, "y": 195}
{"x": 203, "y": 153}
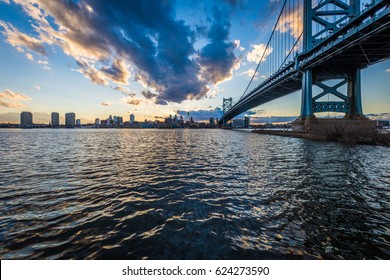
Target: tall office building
{"x": 118, "y": 120}
{"x": 70, "y": 119}
{"x": 26, "y": 119}
{"x": 132, "y": 118}
{"x": 55, "y": 119}
{"x": 78, "y": 122}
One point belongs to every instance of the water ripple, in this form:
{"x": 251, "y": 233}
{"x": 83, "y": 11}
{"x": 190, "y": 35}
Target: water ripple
{"x": 190, "y": 194}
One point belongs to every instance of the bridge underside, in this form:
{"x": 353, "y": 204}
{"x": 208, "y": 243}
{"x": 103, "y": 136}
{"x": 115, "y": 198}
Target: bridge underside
{"x": 363, "y": 42}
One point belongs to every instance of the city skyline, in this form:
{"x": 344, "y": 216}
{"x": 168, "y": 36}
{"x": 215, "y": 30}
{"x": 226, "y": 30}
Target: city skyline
{"x": 50, "y": 65}
{"x": 70, "y": 119}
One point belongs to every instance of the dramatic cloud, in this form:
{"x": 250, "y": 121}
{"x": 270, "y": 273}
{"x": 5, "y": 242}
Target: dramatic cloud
{"x": 117, "y": 73}
{"x": 161, "y": 102}
{"x": 113, "y": 41}
{"x": 9, "y": 99}
{"x": 148, "y": 94}
{"x": 95, "y": 76}
{"x": 217, "y": 58}
{"x": 21, "y": 40}
{"x": 258, "y": 52}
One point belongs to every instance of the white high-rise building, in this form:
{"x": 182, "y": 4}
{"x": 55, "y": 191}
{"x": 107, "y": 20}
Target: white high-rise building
{"x": 55, "y": 119}
{"x": 26, "y": 119}
{"x": 70, "y": 119}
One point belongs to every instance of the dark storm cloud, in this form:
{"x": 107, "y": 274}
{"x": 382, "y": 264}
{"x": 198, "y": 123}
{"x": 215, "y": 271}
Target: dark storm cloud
{"x": 217, "y": 57}
{"x": 161, "y": 102}
{"x": 117, "y": 72}
{"x": 148, "y": 35}
{"x": 108, "y": 38}
{"x": 148, "y": 94}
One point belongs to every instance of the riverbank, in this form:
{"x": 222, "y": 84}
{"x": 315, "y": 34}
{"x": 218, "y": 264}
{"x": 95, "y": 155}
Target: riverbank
{"x": 378, "y": 138}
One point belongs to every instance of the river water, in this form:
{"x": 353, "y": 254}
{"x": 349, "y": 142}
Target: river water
{"x": 190, "y": 194}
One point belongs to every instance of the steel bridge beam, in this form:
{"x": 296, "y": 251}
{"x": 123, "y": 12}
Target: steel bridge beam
{"x": 358, "y": 43}
{"x": 351, "y": 103}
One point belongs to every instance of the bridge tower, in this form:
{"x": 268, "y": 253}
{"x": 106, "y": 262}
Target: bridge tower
{"x": 320, "y": 21}
{"x": 226, "y": 106}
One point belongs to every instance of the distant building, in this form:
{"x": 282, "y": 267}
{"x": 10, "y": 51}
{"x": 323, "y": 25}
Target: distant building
{"x": 110, "y": 120}
{"x": 26, "y": 119}
{"x": 238, "y": 123}
{"x": 168, "y": 120}
{"x": 132, "y": 118}
{"x": 241, "y": 123}
{"x": 78, "y": 122}
{"x": 118, "y": 120}
{"x": 70, "y": 119}
{"x": 55, "y": 119}
{"x": 247, "y": 122}
{"x": 97, "y": 121}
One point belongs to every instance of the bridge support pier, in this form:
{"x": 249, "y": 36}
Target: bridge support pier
{"x": 307, "y": 96}
{"x": 355, "y": 96}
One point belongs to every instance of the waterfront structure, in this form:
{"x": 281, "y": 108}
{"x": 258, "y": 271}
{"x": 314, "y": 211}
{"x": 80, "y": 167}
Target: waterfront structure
{"x": 118, "y": 120}
{"x": 55, "y": 119}
{"x": 241, "y": 123}
{"x": 70, "y": 119}
{"x": 333, "y": 41}
{"x": 238, "y": 123}
{"x": 26, "y": 119}
{"x": 78, "y": 122}
{"x": 132, "y": 118}
{"x": 97, "y": 121}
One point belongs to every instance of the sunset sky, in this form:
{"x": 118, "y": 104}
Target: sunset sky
{"x": 149, "y": 58}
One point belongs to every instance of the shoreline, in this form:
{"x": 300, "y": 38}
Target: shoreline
{"x": 382, "y": 139}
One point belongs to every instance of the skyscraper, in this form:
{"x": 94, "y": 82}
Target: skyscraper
{"x": 26, "y": 119}
{"x": 55, "y": 119}
{"x": 132, "y": 118}
{"x": 70, "y": 119}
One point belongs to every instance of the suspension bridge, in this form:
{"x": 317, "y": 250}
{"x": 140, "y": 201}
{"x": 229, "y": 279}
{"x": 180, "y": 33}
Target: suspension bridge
{"x": 322, "y": 43}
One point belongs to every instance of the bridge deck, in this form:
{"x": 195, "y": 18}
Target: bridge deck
{"x": 363, "y": 42}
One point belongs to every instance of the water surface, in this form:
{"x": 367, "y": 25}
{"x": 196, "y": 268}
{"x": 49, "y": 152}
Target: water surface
{"x": 190, "y": 194}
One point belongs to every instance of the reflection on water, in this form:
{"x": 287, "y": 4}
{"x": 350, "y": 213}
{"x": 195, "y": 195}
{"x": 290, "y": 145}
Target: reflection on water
{"x": 190, "y": 194}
